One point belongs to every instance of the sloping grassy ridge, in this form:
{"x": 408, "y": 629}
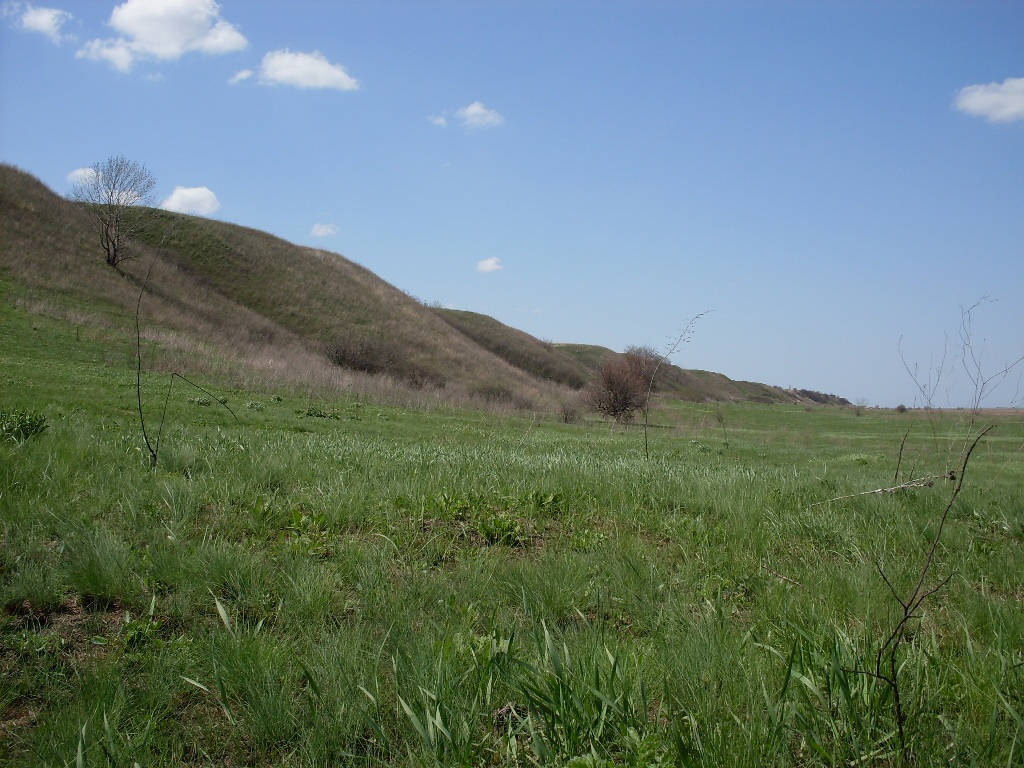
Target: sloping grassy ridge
{"x": 226, "y": 297}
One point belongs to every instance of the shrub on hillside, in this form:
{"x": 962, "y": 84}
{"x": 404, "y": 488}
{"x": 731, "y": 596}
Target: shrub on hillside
{"x": 380, "y": 355}
{"x": 369, "y": 355}
{"x": 494, "y": 393}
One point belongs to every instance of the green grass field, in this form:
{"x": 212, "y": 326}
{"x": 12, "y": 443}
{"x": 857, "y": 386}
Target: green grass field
{"x": 311, "y": 582}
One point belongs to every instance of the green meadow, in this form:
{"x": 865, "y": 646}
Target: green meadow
{"x": 308, "y": 579}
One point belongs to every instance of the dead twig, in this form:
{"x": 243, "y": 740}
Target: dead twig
{"x": 921, "y": 482}
{"x": 778, "y": 575}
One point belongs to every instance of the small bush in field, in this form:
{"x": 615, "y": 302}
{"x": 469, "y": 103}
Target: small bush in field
{"x": 618, "y": 391}
{"x": 901, "y": 408}
{"x": 316, "y": 412}
{"x": 254, "y": 405}
{"x": 569, "y": 411}
{"x": 19, "y": 426}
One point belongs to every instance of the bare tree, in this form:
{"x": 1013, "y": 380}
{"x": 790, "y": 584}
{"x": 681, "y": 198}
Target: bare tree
{"x": 114, "y": 192}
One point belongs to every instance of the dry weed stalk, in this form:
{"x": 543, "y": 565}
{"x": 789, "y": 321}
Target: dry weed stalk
{"x": 154, "y": 446}
{"x": 682, "y": 338}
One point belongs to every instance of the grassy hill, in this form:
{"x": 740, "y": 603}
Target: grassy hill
{"x": 239, "y": 302}
{"x": 229, "y": 298}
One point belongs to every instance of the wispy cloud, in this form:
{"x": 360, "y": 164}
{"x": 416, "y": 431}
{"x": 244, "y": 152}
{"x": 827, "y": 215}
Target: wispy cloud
{"x": 493, "y": 264}
{"x": 324, "y": 230}
{"x": 45, "y": 21}
{"x": 305, "y": 70}
{"x": 439, "y": 120}
{"x": 996, "y": 102}
{"x": 197, "y": 200}
{"x": 163, "y": 30}
{"x": 238, "y": 77}
{"x": 476, "y": 115}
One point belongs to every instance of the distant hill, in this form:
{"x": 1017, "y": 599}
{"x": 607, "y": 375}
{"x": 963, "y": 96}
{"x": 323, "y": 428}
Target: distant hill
{"x": 232, "y": 299}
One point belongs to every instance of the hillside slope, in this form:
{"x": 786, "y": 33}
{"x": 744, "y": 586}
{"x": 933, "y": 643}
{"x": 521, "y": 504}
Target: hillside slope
{"x": 539, "y": 358}
{"x": 232, "y": 299}
{"x": 230, "y": 292}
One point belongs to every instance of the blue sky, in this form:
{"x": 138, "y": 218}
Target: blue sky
{"x": 833, "y": 180}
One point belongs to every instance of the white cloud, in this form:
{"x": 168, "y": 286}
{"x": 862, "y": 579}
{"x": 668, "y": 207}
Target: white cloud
{"x": 165, "y": 30}
{"x": 305, "y": 70}
{"x": 996, "y": 102}
{"x": 117, "y": 53}
{"x": 197, "y": 200}
{"x": 476, "y": 115}
{"x": 45, "y": 21}
{"x": 238, "y": 77}
{"x": 492, "y": 264}
{"x": 439, "y": 120}
{"x": 324, "y": 230}
{"x": 81, "y": 176}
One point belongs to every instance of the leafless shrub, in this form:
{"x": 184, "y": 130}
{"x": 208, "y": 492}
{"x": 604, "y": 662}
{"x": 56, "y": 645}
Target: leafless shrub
{"x": 618, "y": 392}
{"x": 888, "y": 654}
{"x": 366, "y": 354}
{"x": 379, "y": 355}
{"x": 569, "y": 410}
{"x": 494, "y": 393}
